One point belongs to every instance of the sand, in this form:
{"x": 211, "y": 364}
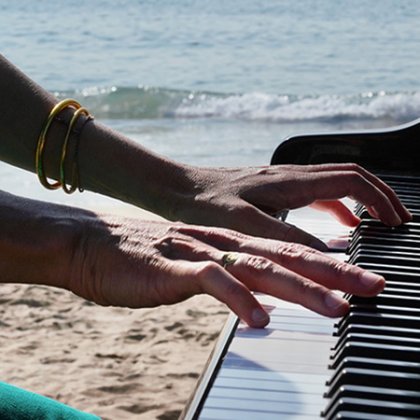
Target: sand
{"x": 117, "y": 363}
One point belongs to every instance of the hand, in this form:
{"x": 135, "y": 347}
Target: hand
{"x": 136, "y": 263}
{"x": 245, "y": 199}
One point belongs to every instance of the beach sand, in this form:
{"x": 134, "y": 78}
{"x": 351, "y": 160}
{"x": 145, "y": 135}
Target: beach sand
{"x": 117, "y": 363}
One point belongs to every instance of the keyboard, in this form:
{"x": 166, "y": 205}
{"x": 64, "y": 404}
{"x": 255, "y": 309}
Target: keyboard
{"x": 305, "y": 366}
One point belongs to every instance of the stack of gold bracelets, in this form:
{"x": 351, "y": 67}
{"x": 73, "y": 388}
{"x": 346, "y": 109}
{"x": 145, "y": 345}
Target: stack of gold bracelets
{"x": 75, "y": 178}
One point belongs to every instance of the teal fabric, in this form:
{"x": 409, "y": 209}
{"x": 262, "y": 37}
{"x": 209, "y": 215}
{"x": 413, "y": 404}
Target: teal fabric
{"x": 18, "y": 404}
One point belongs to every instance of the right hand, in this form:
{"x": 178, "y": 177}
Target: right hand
{"x": 244, "y": 199}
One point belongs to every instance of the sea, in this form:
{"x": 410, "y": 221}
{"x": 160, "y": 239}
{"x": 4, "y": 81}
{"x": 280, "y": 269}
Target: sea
{"x": 217, "y": 82}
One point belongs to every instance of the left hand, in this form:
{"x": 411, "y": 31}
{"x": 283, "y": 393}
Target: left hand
{"x": 246, "y": 199}
{"x": 138, "y": 263}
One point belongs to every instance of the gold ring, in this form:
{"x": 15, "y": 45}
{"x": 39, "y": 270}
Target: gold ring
{"x": 229, "y": 258}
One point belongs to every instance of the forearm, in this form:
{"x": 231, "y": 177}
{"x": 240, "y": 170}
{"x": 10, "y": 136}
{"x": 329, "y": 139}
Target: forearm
{"x": 109, "y": 163}
{"x": 113, "y": 165}
{"x": 37, "y": 241}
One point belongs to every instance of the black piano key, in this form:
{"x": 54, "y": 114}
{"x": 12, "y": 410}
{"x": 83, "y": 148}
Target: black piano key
{"x": 378, "y": 364}
{"x": 363, "y": 244}
{"x": 404, "y": 289}
{"x": 373, "y": 266}
{"x": 372, "y": 338}
{"x": 371, "y": 318}
{"x": 407, "y": 190}
{"x": 386, "y": 250}
{"x": 377, "y": 393}
{"x": 388, "y": 241}
{"x": 380, "y": 330}
{"x": 354, "y": 415}
{"x": 409, "y": 199}
{"x": 376, "y": 350}
{"x": 370, "y": 377}
{"x": 412, "y": 207}
{"x": 400, "y": 301}
{"x": 373, "y": 407}
{"x": 355, "y": 348}
{"x": 400, "y": 178}
{"x": 393, "y": 273}
{"x": 369, "y": 305}
{"x": 396, "y": 376}
{"x": 385, "y": 259}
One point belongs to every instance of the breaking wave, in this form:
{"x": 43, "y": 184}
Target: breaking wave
{"x": 152, "y": 103}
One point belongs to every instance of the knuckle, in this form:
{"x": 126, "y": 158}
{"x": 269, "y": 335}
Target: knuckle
{"x": 207, "y": 269}
{"x": 354, "y": 167}
{"x": 306, "y": 289}
{"x": 247, "y": 211}
{"x": 340, "y": 268}
{"x": 165, "y": 245}
{"x": 355, "y": 178}
{"x": 264, "y": 170}
{"x": 290, "y": 252}
{"x": 257, "y": 263}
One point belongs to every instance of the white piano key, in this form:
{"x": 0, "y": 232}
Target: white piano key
{"x": 299, "y": 388}
{"x": 221, "y": 414}
{"x": 276, "y": 328}
{"x": 301, "y": 367}
{"x": 256, "y": 407}
{"x": 307, "y": 316}
{"x": 264, "y": 395}
{"x": 277, "y": 366}
{"x": 271, "y": 376}
{"x": 264, "y": 351}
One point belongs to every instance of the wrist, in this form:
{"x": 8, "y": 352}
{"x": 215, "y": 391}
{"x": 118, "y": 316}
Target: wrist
{"x": 113, "y": 165}
{"x": 37, "y": 242}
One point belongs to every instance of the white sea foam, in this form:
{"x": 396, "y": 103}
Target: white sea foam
{"x": 151, "y": 103}
{"x": 284, "y": 108}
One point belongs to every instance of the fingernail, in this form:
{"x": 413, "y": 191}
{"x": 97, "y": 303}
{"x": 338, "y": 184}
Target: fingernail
{"x": 398, "y": 220}
{"x": 260, "y": 317}
{"x": 371, "y": 279}
{"x": 408, "y": 217}
{"x": 334, "y": 301}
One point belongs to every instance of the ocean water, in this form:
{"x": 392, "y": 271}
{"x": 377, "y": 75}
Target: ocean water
{"x": 218, "y": 83}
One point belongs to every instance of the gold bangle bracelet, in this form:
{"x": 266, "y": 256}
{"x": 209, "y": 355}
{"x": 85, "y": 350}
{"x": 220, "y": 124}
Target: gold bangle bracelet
{"x": 74, "y": 183}
{"x": 39, "y": 165}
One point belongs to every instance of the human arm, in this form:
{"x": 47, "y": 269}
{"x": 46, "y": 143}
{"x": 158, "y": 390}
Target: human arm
{"x": 240, "y": 198}
{"x": 134, "y": 263}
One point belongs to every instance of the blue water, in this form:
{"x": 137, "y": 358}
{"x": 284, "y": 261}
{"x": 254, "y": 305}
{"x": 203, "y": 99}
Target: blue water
{"x": 219, "y": 82}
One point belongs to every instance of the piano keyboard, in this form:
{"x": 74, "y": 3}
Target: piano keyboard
{"x": 305, "y": 366}
{"x": 375, "y": 363}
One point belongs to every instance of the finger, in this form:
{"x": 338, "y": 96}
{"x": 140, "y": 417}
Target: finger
{"x": 182, "y": 279}
{"x": 217, "y": 282}
{"x": 301, "y": 188}
{"x": 303, "y": 260}
{"x": 247, "y": 219}
{"x": 229, "y": 240}
{"x": 333, "y": 185}
{"x": 249, "y": 272}
{"x": 253, "y": 221}
{"x": 402, "y": 211}
{"x": 262, "y": 275}
{"x": 315, "y": 266}
{"x": 337, "y": 209}
{"x": 328, "y": 271}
